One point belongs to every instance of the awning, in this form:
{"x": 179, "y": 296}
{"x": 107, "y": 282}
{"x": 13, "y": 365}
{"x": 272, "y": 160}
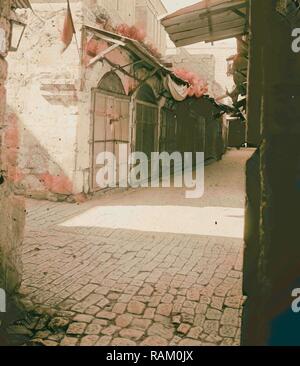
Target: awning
{"x": 135, "y": 48}
{"x": 21, "y": 4}
{"x": 207, "y": 21}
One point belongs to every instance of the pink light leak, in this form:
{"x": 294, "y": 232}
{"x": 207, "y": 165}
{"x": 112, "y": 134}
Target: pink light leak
{"x": 133, "y": 32}
{"x": 11, "y": 143}
{"x": 57, "y": 184}
{"x": 138, "y": 34}
{"x": 198, "y": 87}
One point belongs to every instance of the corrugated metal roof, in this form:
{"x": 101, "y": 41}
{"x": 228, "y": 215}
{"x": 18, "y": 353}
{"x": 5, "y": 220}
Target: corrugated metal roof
{"x": 207, "y": 21}
{"x": 21, "y": 4}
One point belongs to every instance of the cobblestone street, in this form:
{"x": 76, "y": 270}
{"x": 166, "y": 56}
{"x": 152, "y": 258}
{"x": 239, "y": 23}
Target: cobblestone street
{"x": 94, "y": 279}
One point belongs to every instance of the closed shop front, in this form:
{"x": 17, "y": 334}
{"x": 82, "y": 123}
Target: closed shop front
{"x": 168, "y": 130}
{"x": 237, "y": 132}
{"x": 146, "y": 122}
{"x": 110, "y": 122}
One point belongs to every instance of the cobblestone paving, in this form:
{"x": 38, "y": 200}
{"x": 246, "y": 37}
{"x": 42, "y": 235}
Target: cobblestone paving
{"x": 99, "y": 286}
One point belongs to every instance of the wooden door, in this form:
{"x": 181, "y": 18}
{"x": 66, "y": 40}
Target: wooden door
{"x": 110, "y": 129}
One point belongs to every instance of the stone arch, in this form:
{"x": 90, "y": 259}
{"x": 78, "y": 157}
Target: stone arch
{"x": 112, "y": 83}
{"x": 146, "y": 94}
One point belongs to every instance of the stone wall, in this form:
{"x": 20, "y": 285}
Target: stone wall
{"x": 11, "y": 208}
{"x": 120, "y": 11}
{"x": 50, "y": 98}
{"x": 271, "y": 271}
{"x": 49, "y": 105}
{"x": 147, "y": 17}
{"x": 219, "y": 52}
{"x": 42, "y": 98}
{"x": 203, "y": 65}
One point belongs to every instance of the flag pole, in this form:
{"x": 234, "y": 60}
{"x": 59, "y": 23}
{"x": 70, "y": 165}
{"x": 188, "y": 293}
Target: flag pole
{"x": 74, "y": 31}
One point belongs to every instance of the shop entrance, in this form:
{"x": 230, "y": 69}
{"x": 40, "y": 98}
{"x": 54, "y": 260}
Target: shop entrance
{"x": 110, "y": 122}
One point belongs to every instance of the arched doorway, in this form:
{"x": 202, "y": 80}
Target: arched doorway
{"x": 110, "y": 121}
{"x": 146, "y": 121}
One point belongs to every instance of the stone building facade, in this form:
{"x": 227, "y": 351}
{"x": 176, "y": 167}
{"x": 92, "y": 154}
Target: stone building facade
{"x": 203, "y": 65}
{"x": 11, "y": 208}
{"x": 52, "y": 96}
{"x": 147, "y": 17}
{"x": 208, "y": 61}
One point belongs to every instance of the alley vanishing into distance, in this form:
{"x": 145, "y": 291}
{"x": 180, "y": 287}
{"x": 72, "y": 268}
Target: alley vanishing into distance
{"x": 145, "y": 266}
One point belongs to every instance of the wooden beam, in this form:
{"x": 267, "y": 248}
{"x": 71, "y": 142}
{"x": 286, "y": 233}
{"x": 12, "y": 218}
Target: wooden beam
{"x": 209, "y": 31}
{"x": 142, "y": 82}
{"x": 102, "y": 54}
{"x": 121, "y": 69}
{"x": 230, "y": 33}
{"x": 239, "y": 13}
{"x": 177, "y": 20}
{"x": 202, "y": 23}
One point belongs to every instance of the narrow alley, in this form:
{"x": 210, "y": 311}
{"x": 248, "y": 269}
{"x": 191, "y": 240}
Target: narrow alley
{"x": 100, "y": 273}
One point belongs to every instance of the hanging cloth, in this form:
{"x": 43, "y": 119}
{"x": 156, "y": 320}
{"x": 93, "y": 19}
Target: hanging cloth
{"x": 178, "y": 92}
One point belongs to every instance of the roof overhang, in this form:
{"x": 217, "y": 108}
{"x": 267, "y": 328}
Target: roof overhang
{"x": 136, "y": 49}
{"x": 207, "y": 21}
